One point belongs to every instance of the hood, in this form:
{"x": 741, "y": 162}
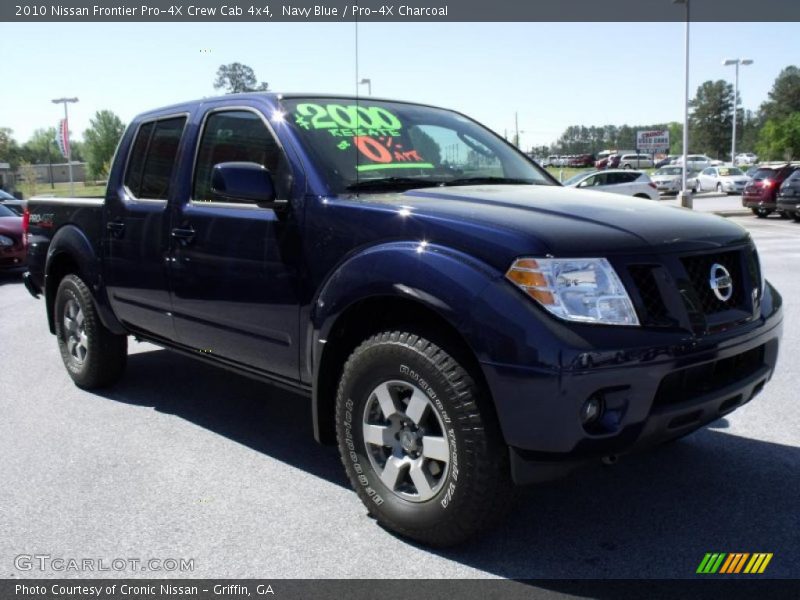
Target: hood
{"x": 562, "y": 221}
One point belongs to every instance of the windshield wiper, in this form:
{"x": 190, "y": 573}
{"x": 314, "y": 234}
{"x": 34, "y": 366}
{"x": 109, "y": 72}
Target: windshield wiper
{"x": 488, "y": 180}
{"x": 392, "y": 183}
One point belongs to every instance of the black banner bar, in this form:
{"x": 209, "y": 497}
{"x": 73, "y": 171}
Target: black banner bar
{"x": 715, "y": 586}
{"x": 265, "y": 11}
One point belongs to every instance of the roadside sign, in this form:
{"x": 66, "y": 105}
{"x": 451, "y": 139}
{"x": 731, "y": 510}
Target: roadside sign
{"x": 654, "y": 140}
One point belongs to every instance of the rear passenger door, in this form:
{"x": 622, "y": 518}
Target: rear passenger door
{"x": 137, "y": 240}
{"x": 235, "y": 264}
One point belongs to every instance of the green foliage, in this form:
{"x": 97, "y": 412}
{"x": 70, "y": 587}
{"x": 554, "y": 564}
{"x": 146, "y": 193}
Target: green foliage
{"x": 9, "y": 149}
{"x": 29, "y": 179}
{"x": 784, "y": 97}
{"x": 100, "y": 140}
{"x": 780, "y": 138}
{"x": 711, "y": 118}
{"x": 236, "y": 77}
{"x": 41, "y": 147}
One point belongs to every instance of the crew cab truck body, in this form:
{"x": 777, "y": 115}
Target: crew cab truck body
{"x": 460, "y": 321}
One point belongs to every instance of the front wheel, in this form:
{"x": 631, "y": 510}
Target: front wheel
{"x": 420, "y": 445}
{"x": 94, "y": 356}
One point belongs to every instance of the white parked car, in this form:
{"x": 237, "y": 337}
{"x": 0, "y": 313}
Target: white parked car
{"x": 730, "y": 180}
{"x": 616, "y": 181}
{"x": 745, "y": 158}
{"x": 550, "y": 161}
{"x": 669, "y": 180}
{"x": 635, "y": 161}
{"x": 696, "y": 162}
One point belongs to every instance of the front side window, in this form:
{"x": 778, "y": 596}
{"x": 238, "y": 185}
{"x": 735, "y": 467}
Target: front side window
{"x": 237, "y": 136}
{"x": 369, "y": 143}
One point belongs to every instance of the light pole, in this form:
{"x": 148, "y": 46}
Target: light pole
{"x": 726, "y": 63}
{"x": 367, "y": 82}
{"x": 685, "y": 196}
{"x": 66, "y": 101}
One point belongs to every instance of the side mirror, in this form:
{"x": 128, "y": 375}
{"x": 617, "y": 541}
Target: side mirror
{"x": 245, "y": 182}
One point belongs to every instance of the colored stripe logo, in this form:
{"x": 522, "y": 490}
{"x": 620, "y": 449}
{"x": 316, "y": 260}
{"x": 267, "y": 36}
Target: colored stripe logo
{"x": 734, "y": 563}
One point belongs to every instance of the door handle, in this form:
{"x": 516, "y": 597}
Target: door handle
{"x": 184, "y": 236}
{"x": 115, "y": 227}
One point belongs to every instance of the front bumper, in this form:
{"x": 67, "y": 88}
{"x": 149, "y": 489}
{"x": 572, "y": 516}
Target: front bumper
{"x": 664, "y": 388}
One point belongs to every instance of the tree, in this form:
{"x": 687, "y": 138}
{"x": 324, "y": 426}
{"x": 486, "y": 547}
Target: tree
{"x": 711, "y": 119}
{"x": 9, "y": 149}
{"x": 41, "y": 147}
{"x": 784, "y": 97}
{"x": 100, "y": 140}
{"x": 236, "y": 77}
{"x": 779, "y": 139}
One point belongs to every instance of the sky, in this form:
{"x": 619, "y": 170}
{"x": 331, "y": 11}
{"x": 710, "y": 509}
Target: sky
{"x": 551, "y": 75}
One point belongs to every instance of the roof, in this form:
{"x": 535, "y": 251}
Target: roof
{"x": 272, "y": 97}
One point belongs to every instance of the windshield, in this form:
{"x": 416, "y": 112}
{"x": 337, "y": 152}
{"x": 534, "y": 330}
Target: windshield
{"x": 669, "y": 171}
{"x": 763, "y": 174}
{"x": 403, "y": 145}
{"x": 5, "y": 195}
{"x": 729, "y": 172}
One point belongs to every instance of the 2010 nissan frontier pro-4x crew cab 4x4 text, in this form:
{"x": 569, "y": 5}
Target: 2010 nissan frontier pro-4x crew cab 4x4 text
{"x": 460, "y": 321}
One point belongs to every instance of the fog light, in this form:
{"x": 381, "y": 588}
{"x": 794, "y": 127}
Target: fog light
{"x": 592, "y": 410}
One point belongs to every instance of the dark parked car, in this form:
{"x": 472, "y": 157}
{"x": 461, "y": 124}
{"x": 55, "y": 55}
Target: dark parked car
{"x": 581, "y": 160}
{"x": 459, "y": 320}
{"x": 12, "y": 241}
{"x": 789, "y": 196}
{"x": 760, "y": 195}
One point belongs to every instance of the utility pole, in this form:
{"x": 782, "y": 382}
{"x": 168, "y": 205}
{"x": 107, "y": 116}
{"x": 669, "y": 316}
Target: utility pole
{"x": 685, "y": 196}
{"x": 65, "y": 102}
{"x": 727, "y": 62}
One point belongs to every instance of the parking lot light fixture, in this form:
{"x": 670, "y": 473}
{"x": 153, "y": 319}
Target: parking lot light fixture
{"x": 367, "y": 82}
{"x": 727, "y": 63}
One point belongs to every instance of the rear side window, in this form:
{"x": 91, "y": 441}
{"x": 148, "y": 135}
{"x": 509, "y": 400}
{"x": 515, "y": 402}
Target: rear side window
{"x": 153, "y": 158}
{"x": 763, "y": 174}
{"x": 133, "y": 176}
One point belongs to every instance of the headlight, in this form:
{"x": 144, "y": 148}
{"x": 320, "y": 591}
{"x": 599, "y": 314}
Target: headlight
{"x": 575, "y": 289}
{"x": 6, "y": 242}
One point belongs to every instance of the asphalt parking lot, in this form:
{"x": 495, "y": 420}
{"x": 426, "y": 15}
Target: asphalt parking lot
{"x": 182, "y": 460}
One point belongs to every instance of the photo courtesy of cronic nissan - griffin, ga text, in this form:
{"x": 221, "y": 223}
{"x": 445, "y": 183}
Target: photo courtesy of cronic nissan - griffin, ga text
{"x": 459, "y": 320}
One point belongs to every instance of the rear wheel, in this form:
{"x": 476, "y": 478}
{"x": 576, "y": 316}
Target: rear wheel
{"x": 420, "y": 445}
{"x": 796, "y": 217}
{"x": 762, "y": 213}
{"x": 94, "y": 356}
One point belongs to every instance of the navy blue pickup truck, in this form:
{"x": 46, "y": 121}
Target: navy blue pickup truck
{"x": 460, "y": 321}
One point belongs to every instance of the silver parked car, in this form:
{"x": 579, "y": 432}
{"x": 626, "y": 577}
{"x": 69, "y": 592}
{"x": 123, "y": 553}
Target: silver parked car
{"x": 669, "y": 179}
{"x": 616, "y": 181}
{"x": 728, "y": 180}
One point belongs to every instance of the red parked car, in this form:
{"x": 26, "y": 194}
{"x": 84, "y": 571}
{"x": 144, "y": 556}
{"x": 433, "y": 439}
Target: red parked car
{"x": 12, "y": 242}
{"x": 760, "y": 195}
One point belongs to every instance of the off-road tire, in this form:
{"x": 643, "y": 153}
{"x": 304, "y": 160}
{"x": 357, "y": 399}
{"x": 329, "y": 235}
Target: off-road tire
{"x": 104, "y": 353}
{"x": 476, "y": 490}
